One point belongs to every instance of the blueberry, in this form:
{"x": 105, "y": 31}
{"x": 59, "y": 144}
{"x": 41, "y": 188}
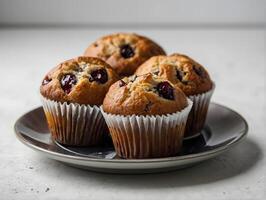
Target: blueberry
{"x": 46, "y": 80}
{"x": 199, "y": 71}
{"x": 99, "y": 75}
{"x": 67, "y": 82}
{"x": 126, "y": 51}
{"x": 165, "y": 90}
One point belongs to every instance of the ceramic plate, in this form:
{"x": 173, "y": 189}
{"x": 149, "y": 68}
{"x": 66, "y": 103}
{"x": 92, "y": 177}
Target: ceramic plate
{"x": 224, "y": 128}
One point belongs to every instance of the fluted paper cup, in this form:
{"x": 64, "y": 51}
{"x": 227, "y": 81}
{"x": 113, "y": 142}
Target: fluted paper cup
{"x": 198, "y": 113}
{"x": 74, "y": 124}
{"x": 137, "y": 137}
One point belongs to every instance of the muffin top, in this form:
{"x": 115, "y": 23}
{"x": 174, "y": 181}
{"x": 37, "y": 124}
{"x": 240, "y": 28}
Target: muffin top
{"x": 181, "y": 70}
{"x": 124, "y": 51}
{"x": 144, "y": 95}
{"x": 82, "y": 80}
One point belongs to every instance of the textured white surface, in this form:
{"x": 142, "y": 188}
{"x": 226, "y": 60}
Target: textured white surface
{"x": 236, "y": 61}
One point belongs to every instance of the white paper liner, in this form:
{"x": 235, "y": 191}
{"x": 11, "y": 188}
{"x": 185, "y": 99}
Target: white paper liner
{"x": 198, "y": 113}
{"x": 147, "y": 136}
{"x": 74, "y": 124}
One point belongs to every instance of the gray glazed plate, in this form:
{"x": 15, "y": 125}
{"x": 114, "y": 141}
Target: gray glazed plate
{"x": 224, "y": 128}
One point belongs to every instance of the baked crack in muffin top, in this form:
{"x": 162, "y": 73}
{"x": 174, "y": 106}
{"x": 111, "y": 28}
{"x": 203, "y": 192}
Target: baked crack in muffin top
{"x": 82, "y": 80}
{"x": 124, "y": 51}
{"x": 191, "y": 77}
{"x": 144, "y": 95}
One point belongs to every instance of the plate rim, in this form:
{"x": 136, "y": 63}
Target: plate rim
{"x": 149, "y": 160}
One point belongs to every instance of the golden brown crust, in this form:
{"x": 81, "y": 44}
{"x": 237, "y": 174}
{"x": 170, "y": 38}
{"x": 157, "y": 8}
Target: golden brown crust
{"x": 139, "y": 96}
{"x": 84, "y": 91}
{"x": 181, "y": 70}
{"x": 108, "y": 49}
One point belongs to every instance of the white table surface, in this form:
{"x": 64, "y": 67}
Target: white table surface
{"x": 235, "y": 60}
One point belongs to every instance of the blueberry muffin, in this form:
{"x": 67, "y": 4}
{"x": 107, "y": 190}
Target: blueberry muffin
{"x": 146, "y": 116}
{"x": 83, "y": 80}
{"x": 124, "y": 51}
{"x": 191, "y": 77}
{"x": 71, "y": 94}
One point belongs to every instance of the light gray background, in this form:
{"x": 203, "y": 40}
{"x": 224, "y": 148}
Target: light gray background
{"x": 128, "y": 12}
{"x": 228, "y": 37}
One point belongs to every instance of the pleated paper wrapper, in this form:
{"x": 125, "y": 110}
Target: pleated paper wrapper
{"x": 137, "y": 137}
{"x": 74, "y": 124}
{"x": 198, "y": 113}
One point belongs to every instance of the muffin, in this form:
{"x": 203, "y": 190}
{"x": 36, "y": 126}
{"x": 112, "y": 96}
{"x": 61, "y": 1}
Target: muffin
{"x": 146, "y": 117}
{"x": 72, "y": 94}
{"x": 124, "y": 51}
{"x": 191, "y": 77}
